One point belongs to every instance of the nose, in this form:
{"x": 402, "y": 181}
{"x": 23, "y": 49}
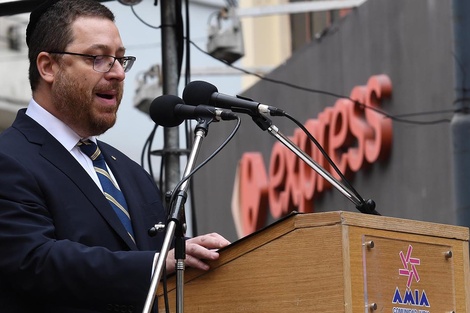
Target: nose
{"x": 116, "y": 72}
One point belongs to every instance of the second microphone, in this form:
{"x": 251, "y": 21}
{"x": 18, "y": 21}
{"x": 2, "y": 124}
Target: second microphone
{"x": 171, "y": 111}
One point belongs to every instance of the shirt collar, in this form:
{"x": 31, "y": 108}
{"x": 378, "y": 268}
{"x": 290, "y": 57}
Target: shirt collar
{"x": 58, "y": 129}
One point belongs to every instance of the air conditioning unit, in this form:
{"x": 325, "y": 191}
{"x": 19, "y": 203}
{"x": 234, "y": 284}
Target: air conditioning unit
{"x": 149, "y": 86}
{"x": 225, "y": 39}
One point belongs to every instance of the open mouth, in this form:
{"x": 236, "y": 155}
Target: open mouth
{"x": 105, "y": 96}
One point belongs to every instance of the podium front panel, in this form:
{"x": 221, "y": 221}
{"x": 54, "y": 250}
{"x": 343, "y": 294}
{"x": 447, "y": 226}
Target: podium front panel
{"x": 408, "y": 276}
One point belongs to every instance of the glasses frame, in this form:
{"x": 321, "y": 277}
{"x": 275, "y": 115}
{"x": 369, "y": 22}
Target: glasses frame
{"x": 126, "y": 66}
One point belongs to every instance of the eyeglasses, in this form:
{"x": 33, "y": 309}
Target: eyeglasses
{"x": 104, "y": 63}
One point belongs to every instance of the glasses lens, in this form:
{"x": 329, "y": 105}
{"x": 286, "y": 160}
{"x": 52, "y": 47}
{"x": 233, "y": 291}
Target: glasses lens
{"x": 103, "y": 63}
{"x": 127, "y": 63}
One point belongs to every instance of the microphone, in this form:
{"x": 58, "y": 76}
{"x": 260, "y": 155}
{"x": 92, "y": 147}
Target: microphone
{"x": 170, "y": 111}
{"x": 205, "y": 93}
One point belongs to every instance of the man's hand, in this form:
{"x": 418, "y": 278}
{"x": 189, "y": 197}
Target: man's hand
{"x": 198, "y": 249}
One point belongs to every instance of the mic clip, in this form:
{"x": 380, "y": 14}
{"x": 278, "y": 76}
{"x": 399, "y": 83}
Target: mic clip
{"x": 262, "y": 121}
{"x": 157, "y": 228}
{"x": 367, "y": 207}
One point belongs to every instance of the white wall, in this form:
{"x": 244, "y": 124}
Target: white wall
{"x": 14, "y": 85}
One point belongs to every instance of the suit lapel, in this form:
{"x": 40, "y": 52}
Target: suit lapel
{"x": 55, "y": 153}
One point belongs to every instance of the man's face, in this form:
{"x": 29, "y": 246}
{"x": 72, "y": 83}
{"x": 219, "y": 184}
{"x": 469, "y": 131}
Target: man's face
{"x": 83, "y": 98}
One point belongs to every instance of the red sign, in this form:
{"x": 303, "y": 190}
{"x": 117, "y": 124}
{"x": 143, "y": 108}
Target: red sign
{"x": 353, "y": 135}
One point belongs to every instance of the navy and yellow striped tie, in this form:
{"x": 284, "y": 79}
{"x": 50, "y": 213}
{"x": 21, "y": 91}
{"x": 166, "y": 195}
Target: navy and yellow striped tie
{"x": 110, "y": 189}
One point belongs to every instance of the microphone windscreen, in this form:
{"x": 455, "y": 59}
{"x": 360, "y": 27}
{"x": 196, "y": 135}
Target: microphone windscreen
{"x": 162, "y": 111}
{"x": 198, "y": 92}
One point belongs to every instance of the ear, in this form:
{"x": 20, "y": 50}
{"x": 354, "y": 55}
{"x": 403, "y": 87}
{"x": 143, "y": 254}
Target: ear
{"x": 47, "y": 66}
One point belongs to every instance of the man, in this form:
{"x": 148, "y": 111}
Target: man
{"x": 62, "y": 246}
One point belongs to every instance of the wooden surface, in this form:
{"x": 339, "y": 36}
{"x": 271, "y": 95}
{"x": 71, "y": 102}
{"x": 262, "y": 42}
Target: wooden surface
{"x": 319, "y": 262}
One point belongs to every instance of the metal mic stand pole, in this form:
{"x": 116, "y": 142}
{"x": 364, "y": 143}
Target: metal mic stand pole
{"x": 266, "y": 124}
{"x": 176, "y": 224}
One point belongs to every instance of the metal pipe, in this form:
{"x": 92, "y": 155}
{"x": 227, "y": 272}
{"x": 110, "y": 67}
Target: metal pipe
{"x": 170, "y": 86}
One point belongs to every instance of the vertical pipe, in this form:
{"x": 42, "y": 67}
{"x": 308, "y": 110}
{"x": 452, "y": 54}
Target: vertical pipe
{"x": 460, "y": 124}
{"x": 171, "y": 157}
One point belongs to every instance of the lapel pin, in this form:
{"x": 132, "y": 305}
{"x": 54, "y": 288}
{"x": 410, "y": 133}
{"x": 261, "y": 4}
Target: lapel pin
{"x": 113, "y": 157}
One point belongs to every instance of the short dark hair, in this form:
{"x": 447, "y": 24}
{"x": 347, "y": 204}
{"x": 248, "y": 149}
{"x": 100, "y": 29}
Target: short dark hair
{"x": 49, "y": 28}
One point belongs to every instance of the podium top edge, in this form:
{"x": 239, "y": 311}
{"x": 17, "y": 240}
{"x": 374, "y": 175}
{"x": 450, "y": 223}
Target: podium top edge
{"x": 301, "y": 220}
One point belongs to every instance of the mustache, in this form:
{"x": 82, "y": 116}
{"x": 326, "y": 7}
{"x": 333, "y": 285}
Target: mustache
{"x": 114, "y": 86}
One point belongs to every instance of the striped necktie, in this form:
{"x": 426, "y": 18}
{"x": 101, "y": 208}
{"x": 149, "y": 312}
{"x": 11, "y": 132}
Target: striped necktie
{"x": 110, "y": 189}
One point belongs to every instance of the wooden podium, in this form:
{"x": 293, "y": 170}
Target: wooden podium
{"x": 335, "y": 262}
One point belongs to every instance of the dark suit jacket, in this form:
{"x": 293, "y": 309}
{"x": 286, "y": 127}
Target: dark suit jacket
{"x": 62, "y": 248}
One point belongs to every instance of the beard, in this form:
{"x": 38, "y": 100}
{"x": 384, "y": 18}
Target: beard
{"x": 74, "y": 102}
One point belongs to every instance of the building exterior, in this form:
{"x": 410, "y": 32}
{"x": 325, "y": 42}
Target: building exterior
{"x": 407, "y": 43}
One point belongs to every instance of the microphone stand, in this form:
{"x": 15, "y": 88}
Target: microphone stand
{"x": 176, "y": 227}
{"x": 364, "y": 206}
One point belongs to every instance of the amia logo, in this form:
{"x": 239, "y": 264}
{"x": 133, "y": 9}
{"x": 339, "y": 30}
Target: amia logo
{"x": 409, "y": 297}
